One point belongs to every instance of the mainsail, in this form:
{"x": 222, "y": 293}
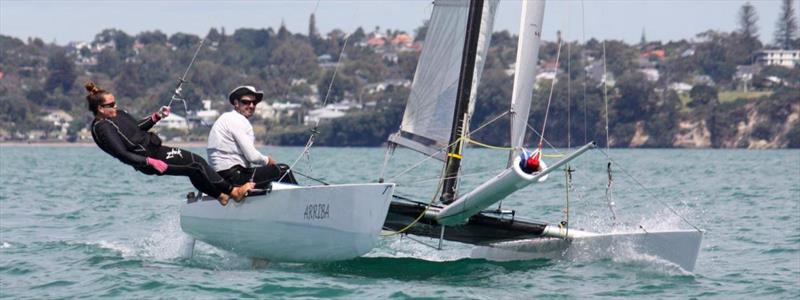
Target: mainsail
{"x": 428, "y": 118}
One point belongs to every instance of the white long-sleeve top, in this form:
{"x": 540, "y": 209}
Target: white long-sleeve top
{"x": 232, "y": 142}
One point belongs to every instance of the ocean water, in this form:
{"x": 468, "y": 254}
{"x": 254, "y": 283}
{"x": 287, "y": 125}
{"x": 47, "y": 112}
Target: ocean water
{"x": 74, "y": 222}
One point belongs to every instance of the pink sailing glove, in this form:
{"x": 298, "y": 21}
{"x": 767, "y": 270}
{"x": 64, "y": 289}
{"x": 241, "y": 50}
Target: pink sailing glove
{"x": 162, "y": 112}
{"x": 157, "y": 164}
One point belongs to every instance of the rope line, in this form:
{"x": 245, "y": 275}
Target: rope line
{"x": 442, "y": 149}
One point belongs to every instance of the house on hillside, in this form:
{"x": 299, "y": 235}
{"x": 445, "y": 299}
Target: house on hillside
{"x": 651, "y": 74}
{"x": 204, "y": 117}
{"x": 373, "y": 88}
{"x": 744, "y": 75}
{"x": 330, "y": 111}
{"x": 60, "y": 120}
{"x": 326, "y": 61}
{"x": 547, "y": 71}
{"x": 680, "y": 87}
{"x": 597, "y": 72}
{"x": 786, "y": 58}
{"x": 173, "y": 121}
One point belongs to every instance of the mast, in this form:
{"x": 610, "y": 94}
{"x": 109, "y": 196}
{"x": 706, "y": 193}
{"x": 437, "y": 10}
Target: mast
{"x": 456, "y": 144}
{"x": 530, "y": 35}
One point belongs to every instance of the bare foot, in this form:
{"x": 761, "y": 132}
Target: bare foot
{"x": 223, "y": 199}
{"x": 239, "y": 192}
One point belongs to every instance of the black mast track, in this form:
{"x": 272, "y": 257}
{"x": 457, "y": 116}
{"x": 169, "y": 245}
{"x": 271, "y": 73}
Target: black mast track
{"x": 454, "y": 150}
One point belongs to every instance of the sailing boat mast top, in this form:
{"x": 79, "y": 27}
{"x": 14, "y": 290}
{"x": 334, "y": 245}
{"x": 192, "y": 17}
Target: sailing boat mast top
{"x": 465, "y": 81}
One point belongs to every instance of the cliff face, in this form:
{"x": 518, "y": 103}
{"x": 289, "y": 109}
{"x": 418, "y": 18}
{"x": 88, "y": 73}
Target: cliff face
{"x": 750, "y": 126}
{"x": 692, "y": 134}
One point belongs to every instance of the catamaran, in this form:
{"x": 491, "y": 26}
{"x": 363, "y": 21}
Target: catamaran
{"x": 436, "y": 123}
{"x": 337, "y": 222}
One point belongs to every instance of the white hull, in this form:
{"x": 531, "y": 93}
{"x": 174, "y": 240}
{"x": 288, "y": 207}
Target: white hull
{"x": 679, "y": 247}
{"x": 293, "y": 223}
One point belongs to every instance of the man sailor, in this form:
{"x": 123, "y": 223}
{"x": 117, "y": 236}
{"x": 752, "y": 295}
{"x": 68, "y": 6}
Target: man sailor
{"x": 231, "y": 144}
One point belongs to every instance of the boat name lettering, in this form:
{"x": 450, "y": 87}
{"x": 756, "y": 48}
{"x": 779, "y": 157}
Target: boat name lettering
{"x": 317, "y": 211}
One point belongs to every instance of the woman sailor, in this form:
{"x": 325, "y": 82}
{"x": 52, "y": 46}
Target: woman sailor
{"x": 123, "y": 137}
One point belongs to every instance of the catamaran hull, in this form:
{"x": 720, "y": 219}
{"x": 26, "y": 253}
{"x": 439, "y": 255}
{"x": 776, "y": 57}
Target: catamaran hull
{"x": 294, "y": 224}
{"x": 679, "y": 247}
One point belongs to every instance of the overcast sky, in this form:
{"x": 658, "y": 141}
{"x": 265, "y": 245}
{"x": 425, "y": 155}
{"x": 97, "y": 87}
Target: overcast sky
{"x": 63, "y": 21}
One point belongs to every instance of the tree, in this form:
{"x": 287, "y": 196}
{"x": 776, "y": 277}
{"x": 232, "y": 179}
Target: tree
{"x": 152, "y": 37}
{"x": 358, "y": 35}
{"x": 702, "y": 95}
{"x": 108, "y": 62}
{"x": 294, "y": 59}
{"x": 748, "y": 28}
{"x": 312, "y": 27}
{"x": 283, "y": 33}
{"x": 121, "y": 40}
{"x": 786, "y": 29}
{"x": 184, "y": 41}
{"x": 421, "y": 31}
{"x": 62, "y": 72}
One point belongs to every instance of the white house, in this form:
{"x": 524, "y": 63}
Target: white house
{"x": 324, "y": 113}
{"x": 651, "y": 74}
{"x": 207, "y": 116}
{"x": 330, "y": 111}
{"x": 680, "y": 87}
{"x": 60, "y": 119}
{"x": 173, "y": 121}
{"x": 786, "y": 58}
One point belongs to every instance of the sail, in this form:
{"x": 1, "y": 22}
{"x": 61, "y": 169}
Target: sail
{"x": 484, "y": 40}
{"x": 530, "y": 28}
{"x": 428, "y": 118}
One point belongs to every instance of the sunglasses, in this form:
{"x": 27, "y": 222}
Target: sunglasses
{"x": 248, "y": 102}
{"x": 109, "y": 105}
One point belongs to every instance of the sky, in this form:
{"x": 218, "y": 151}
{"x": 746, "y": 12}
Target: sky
{"x": 63, "y": 21}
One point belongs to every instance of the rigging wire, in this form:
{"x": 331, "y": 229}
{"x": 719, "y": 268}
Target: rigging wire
{"x": 585, "y": 73}
{"x": 609, "y": 192}
{"x": 427, "y": 206}
{"x": 550, "y": 98}
{"x": 314, "y": 131}
{"x": 176, "y": 94}
{"x": 653, "y": 195}
{"x": 441, "y": 149}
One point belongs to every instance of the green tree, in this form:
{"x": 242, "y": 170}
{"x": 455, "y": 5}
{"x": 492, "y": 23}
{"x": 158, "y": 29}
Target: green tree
{"x": 312, "y": 27}
{"x": 62, "y": 72}
{"x": 702, "y": 96}
{"x": 786, "y": 27}
{"x": 422, "y": 31}
{"x": 152, "y": 37}
{"x": 108, "y": 62}
{"x": 184, "y": 41}
{"x": 122, "y": 41}
{"x": 748, "y": 28}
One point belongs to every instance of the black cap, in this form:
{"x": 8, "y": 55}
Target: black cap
{"x": 245, "y": 90}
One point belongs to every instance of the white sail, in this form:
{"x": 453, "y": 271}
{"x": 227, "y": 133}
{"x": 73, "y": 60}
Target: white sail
{"x": 530, "y": 28}
{"x": 484, "y": 40}
{"x": 428, "y": 117}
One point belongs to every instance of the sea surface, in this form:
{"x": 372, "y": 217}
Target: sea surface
{"x": 76, "y": 223}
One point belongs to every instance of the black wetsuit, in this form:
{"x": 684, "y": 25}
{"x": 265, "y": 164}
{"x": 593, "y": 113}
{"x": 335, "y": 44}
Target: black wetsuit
{"x": 263, "y": 175}
{"x": 130, "y": 142}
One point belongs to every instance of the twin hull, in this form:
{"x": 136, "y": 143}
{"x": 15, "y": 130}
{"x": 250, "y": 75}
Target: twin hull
{"x": 293, "y": 223}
